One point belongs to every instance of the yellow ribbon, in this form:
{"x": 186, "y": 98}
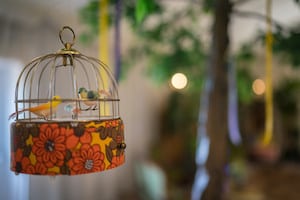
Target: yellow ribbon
{"x": 269, "y": 92}
{"x": 103, "y": 37}
{"x": 103, "y": 49}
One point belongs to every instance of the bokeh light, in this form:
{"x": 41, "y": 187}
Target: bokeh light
{"x": 258, "y": 87}
{"x": 179, "y": 81}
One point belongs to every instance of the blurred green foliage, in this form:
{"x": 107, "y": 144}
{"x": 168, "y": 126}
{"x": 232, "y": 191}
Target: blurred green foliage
{"x": 169, "y": 45}
{"x": 170, "y": 41}
{"x": 287, "y": 96}
{"x": 143, "y": 9}
{"x": 287, "y": 45}
{"x": 134, "y": 11}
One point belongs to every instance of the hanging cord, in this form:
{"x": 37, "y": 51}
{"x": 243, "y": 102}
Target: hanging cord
{"x": 103, "y": 38}
{"x": 202, "y": 141}
{"x": 269, "y": 93}
{"x": 104, "y": 51}
{"x": 117, "y": 47}
{"x": 233, "y": 122}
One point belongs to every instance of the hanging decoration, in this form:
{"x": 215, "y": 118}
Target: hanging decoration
{"x": 67, "y": 116}
{"x": 103, "y": 34}
{"x": 233, "y": 122}
{"x": 269, "y": 92}
{"x": 117, "y": 39}
{"x": 202, "y": 141}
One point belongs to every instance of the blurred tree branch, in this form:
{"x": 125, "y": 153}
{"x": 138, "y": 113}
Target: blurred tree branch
{"x": 259, "y": 16}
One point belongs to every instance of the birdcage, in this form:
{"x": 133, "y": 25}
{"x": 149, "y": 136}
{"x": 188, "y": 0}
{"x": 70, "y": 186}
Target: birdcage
{"x": 67, "y": 115}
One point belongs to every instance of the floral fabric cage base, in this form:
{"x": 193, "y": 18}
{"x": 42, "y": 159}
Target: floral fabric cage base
{"x": 67, "y": 116}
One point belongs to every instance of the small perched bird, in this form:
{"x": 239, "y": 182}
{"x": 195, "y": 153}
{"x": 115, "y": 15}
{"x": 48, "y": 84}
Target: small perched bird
{"x": 90, "y": 95}
{"x": 42, "y": 110}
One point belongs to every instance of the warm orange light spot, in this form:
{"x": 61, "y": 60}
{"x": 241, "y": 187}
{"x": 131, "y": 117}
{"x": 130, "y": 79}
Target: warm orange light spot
{"x": 259, "y": 87}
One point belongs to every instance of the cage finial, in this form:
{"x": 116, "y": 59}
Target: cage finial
{"x": 69, "y": 44}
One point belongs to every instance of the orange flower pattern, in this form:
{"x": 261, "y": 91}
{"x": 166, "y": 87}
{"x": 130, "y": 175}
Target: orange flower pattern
{"x": 39, "y": 169}
{"x": 49, "y": 147}
{"x": 18, "y": 164}
{"x": 116, "y": 161}
{"x": 62, "y": 148}
{"x": 88, "y": 159}
{"x": 81, "y": 134}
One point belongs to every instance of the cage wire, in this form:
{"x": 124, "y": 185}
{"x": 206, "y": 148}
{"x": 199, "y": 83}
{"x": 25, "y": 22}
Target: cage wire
{"x": 67, "y": 115}
{"x": 77, "y": 81}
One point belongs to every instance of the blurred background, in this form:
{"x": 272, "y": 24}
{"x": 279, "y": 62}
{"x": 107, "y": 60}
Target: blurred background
{"x": 166, "y": 48}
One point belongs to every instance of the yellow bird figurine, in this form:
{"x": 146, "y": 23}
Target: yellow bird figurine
{"x": 43, "y": 110}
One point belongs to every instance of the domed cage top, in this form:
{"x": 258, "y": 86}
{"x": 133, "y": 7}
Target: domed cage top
{"x": 66, "y": 103}
{"x": 83, "y": 86}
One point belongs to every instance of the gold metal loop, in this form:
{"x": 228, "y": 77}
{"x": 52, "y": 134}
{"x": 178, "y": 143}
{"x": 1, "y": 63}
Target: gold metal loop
{"x": 67, "y": 45}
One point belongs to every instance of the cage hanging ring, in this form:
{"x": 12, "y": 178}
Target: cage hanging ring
{"x": 67, "y": 44}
